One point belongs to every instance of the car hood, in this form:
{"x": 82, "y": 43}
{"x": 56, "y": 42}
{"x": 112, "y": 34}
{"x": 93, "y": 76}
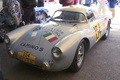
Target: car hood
{"x": 40, "y": 40}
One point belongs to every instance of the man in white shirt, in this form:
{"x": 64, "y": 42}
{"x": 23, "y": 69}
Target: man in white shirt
{"x": 102, "y": 7}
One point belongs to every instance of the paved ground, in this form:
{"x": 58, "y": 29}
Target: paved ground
{"x": 102, "y": 62}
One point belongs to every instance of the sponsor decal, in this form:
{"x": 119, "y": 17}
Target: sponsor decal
{"x": 97, "y": 29}
{"x": 50, "y": 37}
{"x": 35, "y": 33}
{"x": 26, "y": 56}
{"x": 38, "y": 28}
{"x": 41, "y": 49}
{"x": 51, "y": 30}
{"x": 31, "y": 46}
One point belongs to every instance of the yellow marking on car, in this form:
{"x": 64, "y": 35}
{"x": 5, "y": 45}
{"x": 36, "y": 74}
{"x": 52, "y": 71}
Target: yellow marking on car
{"x": 26, "y": 56}
{"x": 72, "y": 29}
{"x": 97, "y": 28}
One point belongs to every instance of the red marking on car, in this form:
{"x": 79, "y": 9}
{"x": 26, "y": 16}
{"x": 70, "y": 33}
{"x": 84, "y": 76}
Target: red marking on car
{"x": 50, "y": 37}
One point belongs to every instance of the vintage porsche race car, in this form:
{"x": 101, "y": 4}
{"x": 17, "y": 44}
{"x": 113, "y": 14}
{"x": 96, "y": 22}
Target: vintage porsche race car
{"x": 62, "y": 42}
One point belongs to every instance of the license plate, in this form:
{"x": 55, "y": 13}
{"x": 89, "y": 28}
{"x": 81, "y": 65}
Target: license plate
{"x": 26, "y": 56}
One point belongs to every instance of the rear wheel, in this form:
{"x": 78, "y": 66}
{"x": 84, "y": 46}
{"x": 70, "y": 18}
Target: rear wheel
{"x": 78, "y": 58}
{"x": 105, "y": 36}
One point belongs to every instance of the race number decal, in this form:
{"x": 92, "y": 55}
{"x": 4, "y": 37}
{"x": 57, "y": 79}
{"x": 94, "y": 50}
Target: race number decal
{"x": 26, "y": 56}
{"x": 97, "y": 32}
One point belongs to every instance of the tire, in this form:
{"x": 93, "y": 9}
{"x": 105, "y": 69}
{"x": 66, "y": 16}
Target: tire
{"x": 78, "y": 58}
{"x": 2, "y": 32}
{"x": 43, "y": 17}
{"x": 1, "y": 40}
{"x": 105, "y": 36}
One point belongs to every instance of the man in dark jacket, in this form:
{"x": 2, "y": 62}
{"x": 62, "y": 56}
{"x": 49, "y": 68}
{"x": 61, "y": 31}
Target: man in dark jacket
{"x": 28, "y": 11}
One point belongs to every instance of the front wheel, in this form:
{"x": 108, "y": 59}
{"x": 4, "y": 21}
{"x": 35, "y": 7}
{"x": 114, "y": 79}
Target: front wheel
{"x": 78, "y": 58}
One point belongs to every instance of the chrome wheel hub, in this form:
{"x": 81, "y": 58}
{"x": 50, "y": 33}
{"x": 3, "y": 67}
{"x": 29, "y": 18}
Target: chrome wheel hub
{"x": 80, "y": 55}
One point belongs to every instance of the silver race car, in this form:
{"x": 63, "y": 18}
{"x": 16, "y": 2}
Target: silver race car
{"x": 62, "y": 42}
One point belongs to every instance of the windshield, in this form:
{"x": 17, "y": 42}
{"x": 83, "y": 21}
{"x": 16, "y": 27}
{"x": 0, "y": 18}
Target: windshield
{"x": 68, "y": 16}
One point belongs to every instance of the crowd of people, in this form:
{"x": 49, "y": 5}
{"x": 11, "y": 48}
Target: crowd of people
{"x": 102, "y": 4}
{"x": 21, "y": 12}
{"x": 18, "y": 13}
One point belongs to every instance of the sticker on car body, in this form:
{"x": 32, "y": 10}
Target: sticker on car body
{"x": 97, "y": 29}
{"x": 34, "y": 33}
{"x": 26, "y": 56}
{"x": 50, "y": 37}
{"x": 58, "y": 32}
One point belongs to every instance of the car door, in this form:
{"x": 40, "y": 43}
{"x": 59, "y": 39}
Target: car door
{"x": 102, "y": 20}
{"x": 94, "y": 24}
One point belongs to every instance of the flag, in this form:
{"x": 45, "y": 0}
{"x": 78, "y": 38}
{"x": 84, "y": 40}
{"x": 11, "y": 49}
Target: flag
{"x": 35, "y": 33}
{"x": 50, "y": 37}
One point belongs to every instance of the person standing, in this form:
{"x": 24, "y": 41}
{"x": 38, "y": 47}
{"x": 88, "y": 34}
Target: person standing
{"x": 76, "y": 2}
{"x": 40, "y": 3}
{"x": 111, "y": 5}
{"x": 28, "y": 11}
{"x": 66, "y": 2}
{"x": 95, "y": 2}
{"x": 102, "y": 7}
{"x": 47, "y": 1}
{"x": 12, "y": 12}
{"x": 86, "y": 2}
